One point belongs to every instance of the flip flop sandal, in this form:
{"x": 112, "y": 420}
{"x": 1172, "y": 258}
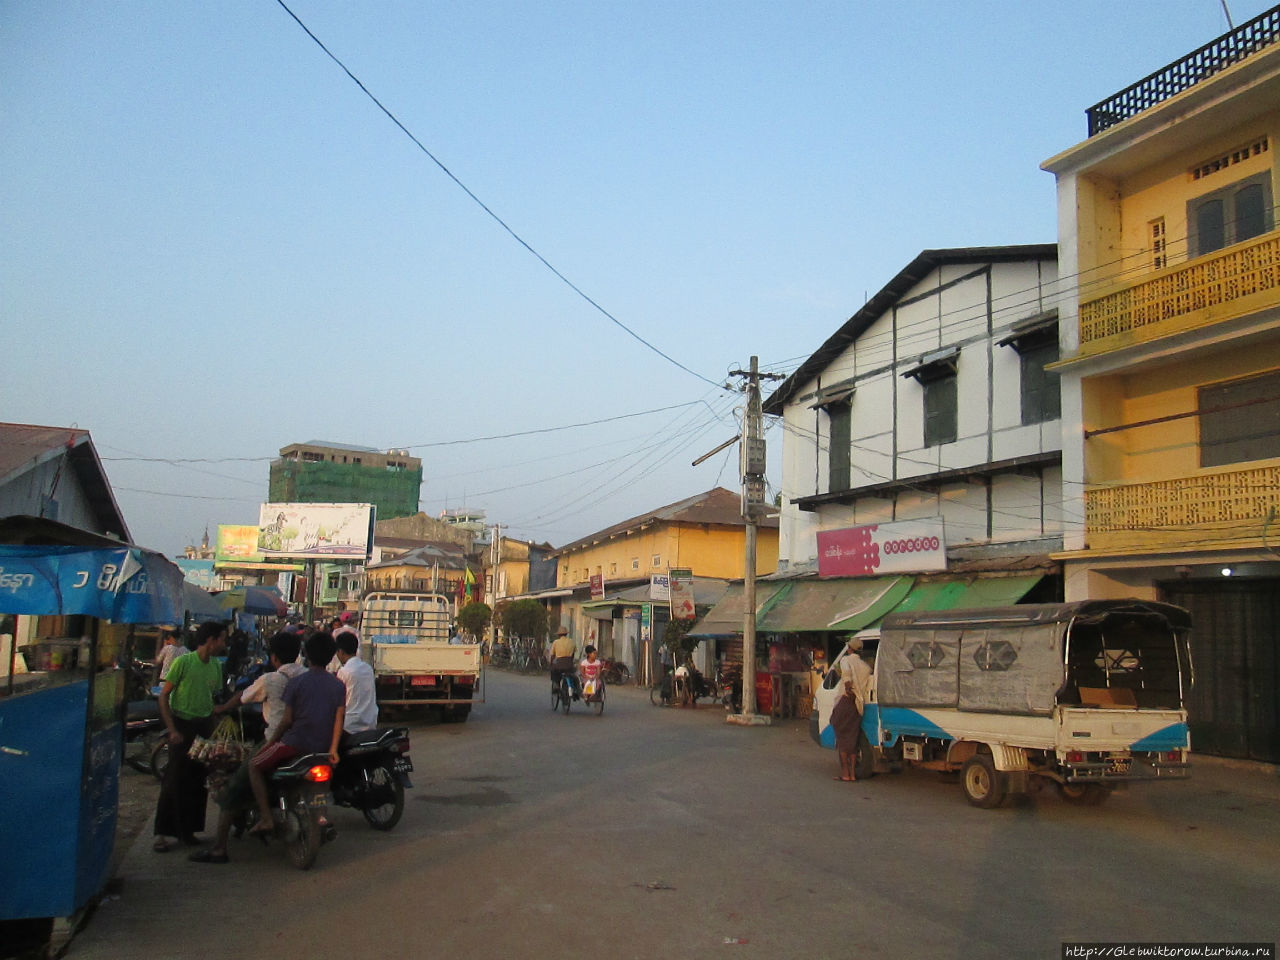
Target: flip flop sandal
{"x": 161, "y": 845}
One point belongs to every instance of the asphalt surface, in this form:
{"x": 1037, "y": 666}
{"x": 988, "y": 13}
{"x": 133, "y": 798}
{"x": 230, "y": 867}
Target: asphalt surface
{"x": 651, "y": 832}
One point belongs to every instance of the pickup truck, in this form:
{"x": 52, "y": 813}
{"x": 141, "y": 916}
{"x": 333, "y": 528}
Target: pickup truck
{"x": 1086, "y": 695}
{"x": 405, "y": 638}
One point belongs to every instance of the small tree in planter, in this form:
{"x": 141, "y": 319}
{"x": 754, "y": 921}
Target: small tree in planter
{"x": 474, "y": 618}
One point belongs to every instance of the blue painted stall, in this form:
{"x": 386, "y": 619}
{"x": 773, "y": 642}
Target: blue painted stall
{"x": 61, "y": 728}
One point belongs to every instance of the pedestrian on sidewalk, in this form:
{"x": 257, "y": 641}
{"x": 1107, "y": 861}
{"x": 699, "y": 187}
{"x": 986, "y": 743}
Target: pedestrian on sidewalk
{"x": 186, "y": 707}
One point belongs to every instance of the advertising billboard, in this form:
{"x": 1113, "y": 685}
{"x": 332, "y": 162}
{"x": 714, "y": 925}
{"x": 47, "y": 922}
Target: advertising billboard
{"x": 907, "y": 546}
{"x": 318, "y": 531}
{"x": 237, "y": 542}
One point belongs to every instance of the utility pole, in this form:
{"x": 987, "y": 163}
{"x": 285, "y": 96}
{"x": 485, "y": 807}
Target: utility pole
{"x": 752, "y": 459}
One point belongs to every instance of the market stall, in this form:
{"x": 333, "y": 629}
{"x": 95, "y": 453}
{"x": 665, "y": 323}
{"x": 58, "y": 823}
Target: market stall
{"x": 73, "y": 595}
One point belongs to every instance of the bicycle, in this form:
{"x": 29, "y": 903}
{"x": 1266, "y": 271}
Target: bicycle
{"x": 617, "y": 672}
{"x": 562, "y": 694}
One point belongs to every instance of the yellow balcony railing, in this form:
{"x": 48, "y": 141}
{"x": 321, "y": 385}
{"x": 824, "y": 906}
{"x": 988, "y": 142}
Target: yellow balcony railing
{"x": 1224, "y": 506}
{"x": 1216, "y": 287}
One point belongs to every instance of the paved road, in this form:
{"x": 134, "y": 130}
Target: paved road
{"x": 654, "y": 832}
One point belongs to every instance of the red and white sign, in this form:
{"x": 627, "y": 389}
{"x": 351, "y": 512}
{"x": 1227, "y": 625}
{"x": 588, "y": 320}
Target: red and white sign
{"x": 908, "y": 546}
{"x": 597, "y": 586}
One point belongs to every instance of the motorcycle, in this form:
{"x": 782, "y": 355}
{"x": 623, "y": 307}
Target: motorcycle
{"x": 372, "y": 774}
{"x": 144, "y": 736}
{"x": 299, "y": 792}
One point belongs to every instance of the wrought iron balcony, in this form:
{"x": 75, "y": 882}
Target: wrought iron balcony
{"x": 1217, "y": 507}
{"x": 1213, "y": 57}
{"x": 1219, "y": 286}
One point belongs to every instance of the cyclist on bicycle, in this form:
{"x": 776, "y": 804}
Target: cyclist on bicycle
{"x": 562, "y": 651}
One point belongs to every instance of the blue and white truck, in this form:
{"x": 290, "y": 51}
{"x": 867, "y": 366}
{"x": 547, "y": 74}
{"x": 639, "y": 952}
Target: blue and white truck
{"x": 1086, "y": 695}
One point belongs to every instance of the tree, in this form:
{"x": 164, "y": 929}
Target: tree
{"x": 474, "y": 618}
{"x": 675, "y": 638}
{"x": 523, "y": 618}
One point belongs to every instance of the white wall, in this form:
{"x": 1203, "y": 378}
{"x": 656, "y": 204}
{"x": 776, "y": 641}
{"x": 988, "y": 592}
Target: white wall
{"x": 887, "y": 420}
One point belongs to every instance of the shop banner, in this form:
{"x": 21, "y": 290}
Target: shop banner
{"x": 908, "y": 546}
{"x": 682, "y": 595}
{"x": 321, "y": 531}
{"x": 597, "y": 586}
{"x": 660, "y": 587}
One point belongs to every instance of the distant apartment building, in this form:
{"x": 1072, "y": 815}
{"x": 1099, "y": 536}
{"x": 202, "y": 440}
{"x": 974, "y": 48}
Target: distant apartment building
{"x": 1170, "y": 367}
{"x": 317, "y": 472}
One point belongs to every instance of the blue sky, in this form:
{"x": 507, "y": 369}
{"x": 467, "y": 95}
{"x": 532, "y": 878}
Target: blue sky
{"x": 215, "y": 244}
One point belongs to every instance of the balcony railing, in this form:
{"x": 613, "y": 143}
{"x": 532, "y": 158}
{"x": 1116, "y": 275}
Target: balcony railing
{"x": 1167, "y": 302}
{"x": 1220, "y": 507}
{"x": 1180, "y": 75}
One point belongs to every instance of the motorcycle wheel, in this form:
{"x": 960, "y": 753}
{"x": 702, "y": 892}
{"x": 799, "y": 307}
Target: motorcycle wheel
{"x": 160, "y": 759}
{"x": 386, "y": 815}
{"x": 305, "y": 846}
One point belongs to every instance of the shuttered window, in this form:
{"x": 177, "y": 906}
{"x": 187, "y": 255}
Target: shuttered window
{"x": 1240, "y": 420}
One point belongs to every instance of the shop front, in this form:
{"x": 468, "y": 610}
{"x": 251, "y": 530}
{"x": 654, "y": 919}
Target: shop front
{"x": 802, "y": 624}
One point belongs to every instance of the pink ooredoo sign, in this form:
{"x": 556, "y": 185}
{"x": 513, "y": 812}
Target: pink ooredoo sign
{"x": 908, "y": 546}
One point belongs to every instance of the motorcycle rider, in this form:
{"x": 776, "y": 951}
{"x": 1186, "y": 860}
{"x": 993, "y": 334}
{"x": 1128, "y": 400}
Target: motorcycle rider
{"x": 562, "y": 651}
{"x": 357, "y": 677}
{"x": 268, "y": 690}
{"x": 315, "y": 708}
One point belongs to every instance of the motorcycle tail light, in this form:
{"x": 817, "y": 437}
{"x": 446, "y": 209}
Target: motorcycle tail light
{"x": 400, "y": 746}
{"x": 1173, "y": 756}
{"x": 320, "y": 773}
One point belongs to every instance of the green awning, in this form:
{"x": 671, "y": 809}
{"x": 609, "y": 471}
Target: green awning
{"x": 961, "y": 594}
{"x": 816, "y": 606}
{"x": 726, "y": 617}
{"x": 879, "y": 608}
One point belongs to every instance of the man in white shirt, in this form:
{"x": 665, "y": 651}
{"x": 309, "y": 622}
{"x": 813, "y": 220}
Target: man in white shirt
{"x": 854, "y": 670}
{"x": 268, "y": 689}
{"x": 357, "y": 677}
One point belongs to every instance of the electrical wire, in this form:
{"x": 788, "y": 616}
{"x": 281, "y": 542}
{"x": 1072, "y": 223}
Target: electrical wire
{"x": 483, "y": 206}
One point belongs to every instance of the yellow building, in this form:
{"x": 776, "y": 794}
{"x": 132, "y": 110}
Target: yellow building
{"x": 430, "y": 568}
{"x": 704, "y": 534}
{"x": 1170, "y": 344}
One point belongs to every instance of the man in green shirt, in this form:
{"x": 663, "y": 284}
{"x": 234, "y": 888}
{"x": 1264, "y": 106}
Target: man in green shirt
{"x": 186, "y": 707}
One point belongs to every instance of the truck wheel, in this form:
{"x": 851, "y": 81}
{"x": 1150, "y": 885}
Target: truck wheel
{"x": 456, "y": 714}
{"x": 864, "y": 768}
{"x": 983, "y": 785}
{"x": 1084, "y": 794}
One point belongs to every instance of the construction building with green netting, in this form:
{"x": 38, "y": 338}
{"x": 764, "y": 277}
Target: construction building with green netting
{"x": 317, "y": 472}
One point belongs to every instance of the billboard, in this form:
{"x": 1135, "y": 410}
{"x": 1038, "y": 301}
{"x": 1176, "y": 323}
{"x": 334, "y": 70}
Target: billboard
{"x": 907, "y": 546}
{"x": 237, "y": 543}
{"x": 319, "y": 531}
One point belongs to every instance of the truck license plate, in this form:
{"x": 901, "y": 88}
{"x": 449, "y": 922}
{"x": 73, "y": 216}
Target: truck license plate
{"x": 422, "y": 681}
{"x": 1119, "y": 765}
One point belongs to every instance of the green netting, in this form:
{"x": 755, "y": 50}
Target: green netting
{"x": 393, "y": 492}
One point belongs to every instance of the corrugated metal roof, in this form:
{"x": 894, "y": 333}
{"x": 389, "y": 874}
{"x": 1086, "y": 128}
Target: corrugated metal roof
{"x": 717, "y": 506}
{"x": 919, "y": 268}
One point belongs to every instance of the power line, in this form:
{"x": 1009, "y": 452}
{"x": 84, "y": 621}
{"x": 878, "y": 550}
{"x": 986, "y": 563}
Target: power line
{"x": 483, "y": 206}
